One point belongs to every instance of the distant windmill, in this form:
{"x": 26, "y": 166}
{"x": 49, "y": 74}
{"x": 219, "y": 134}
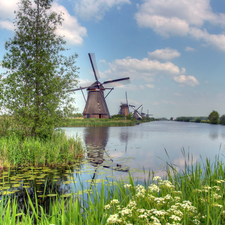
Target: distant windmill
{"x": 142, "y": 114}
{"x": 136, "y": 114}
{"x": 96, "y": 106}
{"x": 148, "y": 115}
{"x": 124, "y": 108}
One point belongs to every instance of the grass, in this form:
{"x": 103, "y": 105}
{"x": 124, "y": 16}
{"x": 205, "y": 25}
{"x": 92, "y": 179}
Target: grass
{"x": 30, "y": 151}
{"x": 97, "y": 123}
{"x": 193, "y": 195}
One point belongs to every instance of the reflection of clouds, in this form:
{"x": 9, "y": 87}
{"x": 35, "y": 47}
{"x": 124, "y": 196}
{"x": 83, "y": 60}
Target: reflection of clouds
{"x": 213, "y": 135}
{"x": 223, "y": 135}
{"x": 117, "y": 154}
{"x": 180, "y": 163}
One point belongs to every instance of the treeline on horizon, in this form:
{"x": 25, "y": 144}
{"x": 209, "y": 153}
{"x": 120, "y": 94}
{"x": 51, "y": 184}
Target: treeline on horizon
{"x": 213, "y": 118}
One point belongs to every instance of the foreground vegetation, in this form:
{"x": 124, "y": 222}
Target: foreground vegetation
{"x": 194, "y": 195}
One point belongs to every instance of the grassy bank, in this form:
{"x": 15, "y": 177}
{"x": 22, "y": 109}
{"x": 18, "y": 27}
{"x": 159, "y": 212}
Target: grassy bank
{"x": 97, "y": 123}
{"x": 193, "y": 196}
{"x": 29, "y": 151}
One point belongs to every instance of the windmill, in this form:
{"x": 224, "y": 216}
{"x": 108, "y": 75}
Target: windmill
{"x": 148, "y": 115}
{"x": 136, "y": 114}
{"x": 124, "y": 108}
{"x": 96, "y": 106}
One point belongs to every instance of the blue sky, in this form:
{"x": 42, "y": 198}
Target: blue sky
{"x": 173, "y": 50}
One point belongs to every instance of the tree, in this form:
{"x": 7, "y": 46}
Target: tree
{"x": 38, "y": 74}
{"x": 222, "y": 119}
{"x": 198, "y": 120}
{"x": 214, "y": 117}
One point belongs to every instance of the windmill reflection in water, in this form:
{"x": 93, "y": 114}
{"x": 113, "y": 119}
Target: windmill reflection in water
{"x": 96, "y": 139}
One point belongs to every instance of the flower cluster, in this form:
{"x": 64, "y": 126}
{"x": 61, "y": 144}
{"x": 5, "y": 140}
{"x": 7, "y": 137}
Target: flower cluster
{"x": 152, "y": 205}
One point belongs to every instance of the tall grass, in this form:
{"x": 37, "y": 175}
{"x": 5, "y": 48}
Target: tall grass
{"x": 97, "y": 123}
{"x": 58, "y": 149}
{"x": 193, "y": 195}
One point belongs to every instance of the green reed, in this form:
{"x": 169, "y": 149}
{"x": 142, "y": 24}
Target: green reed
{"x": 96, "y": 123}
{"x": 58, "y": 149}
{"x": 190, "y": 195}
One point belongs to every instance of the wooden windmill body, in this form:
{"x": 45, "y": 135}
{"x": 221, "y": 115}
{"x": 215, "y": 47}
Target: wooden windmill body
{"x": 124, "y": 108}
{"x": 96, "y": 106}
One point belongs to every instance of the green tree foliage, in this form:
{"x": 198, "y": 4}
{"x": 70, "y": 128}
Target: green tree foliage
{"x": 222, "y": 119}
{"x": 38, "y": 73}
{"x": 198, "y": 120}
{"x": 214, "y": 117}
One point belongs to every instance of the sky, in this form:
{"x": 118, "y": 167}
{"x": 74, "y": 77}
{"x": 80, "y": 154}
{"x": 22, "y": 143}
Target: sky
{"x": 172, "y": 50}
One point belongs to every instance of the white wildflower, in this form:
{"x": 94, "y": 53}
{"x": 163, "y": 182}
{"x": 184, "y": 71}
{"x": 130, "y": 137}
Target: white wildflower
{"x": 127, "y": 185}
{"x": 114, "y": 201}
{"x": 107, "y": 206}
{"x": 157, "y": 178}
{"x": 175, "y": 218}
{"x": 114, "y": 219}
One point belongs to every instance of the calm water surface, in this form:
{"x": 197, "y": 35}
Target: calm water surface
{"x": 144, "y": 145}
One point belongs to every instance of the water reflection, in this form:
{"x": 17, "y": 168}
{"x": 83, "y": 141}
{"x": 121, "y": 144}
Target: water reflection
{"x": 96, "y": 139}
{"x": 214, "y": 135}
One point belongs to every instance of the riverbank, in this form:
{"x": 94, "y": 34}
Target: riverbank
{"x": 112, "y": 122}
{"x": 97, "y": 122}
{"x": 193, "y": 196}
{"x": 22, "y": 152}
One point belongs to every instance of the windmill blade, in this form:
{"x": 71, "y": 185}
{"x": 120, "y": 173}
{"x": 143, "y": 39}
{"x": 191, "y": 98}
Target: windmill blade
{"x": 132, "y": 106}
{"x": 139, "y": 107}
{"x": 139, "y": 114}
{"x": 126, "y": 99}
{"x": 94, "y": 65}
{"x": 80, "y": 88}
{"x": 126, "y": 79}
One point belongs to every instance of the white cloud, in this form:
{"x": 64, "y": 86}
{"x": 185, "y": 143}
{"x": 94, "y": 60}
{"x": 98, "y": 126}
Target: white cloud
{"x": 216, "y": 40}
{"x": 164, "y": 54}
{"x": 150, "y": 85}
{"x": 70, "y": 28}
{"x": 189, "y": 49}
{"x": 177, "y": 94}
{"x": 7, "y": 8}
{"x": 95, "y": 9}
{"x": 181, "y": 18}
{"x": 146, "y": 69}
{"x": 188, "y": 80}
{"x": 140, "y": 69}
{"x": 162, "y": 25}
{"x": 142, "y": 86}
{"x": 169, "y": 102}
{"x": 5, "y": 24}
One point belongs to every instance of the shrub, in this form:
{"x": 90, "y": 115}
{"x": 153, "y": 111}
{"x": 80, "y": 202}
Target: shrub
{"x": 222, "y": 119}
{"x": 214, "y": 117}
{"x": 197, "y": 120}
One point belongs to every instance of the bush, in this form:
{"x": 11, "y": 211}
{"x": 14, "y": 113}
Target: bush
{"x": 118, "y": 116}
{"x": 214, "y": 117}
{"x": 222, "y": 119}
{"x": 198, "y": 120}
